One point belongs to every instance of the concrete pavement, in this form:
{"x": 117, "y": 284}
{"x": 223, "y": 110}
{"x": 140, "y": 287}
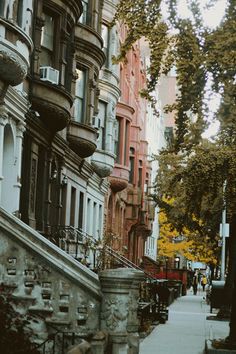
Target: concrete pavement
{"x": 186, "y": 330}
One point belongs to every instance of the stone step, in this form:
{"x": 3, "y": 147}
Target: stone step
{"x": 57, "y": 322}
{"x": 23, "y": 298}
{"x": 9, "y": 285}
{"x": 44, "y": 311}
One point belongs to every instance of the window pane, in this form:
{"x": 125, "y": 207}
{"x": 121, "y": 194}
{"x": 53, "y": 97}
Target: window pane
{"x": 117, "y": 142}
{"x": 105, "y": 37}
{"x": 20, "y": 13}
{"x": 102, "y": 119}
{"x": 80, "y": 95}
{"x": 47, "y": 32}
{"x": 84, "y": 16}
{"x": 81, "y": 210}
{"x": 78, "y": 110}
{"x": 131, "y": 169}
{"x": 80, "y": 84}
{"x": 126, "y": 143}
{"x": 2, "y": 7}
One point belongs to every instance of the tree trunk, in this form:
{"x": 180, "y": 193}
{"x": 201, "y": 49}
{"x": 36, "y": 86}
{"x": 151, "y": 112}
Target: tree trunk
{"x": 232, "y": 333}
{"x": 225, "y": 308}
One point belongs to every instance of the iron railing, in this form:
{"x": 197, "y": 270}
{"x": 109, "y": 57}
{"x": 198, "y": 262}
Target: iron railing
{"x": 82, "y": 246}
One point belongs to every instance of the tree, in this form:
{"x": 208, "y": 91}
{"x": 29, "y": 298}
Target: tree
{"x": 193, "y": 171}
{"x": 191, "y": 246}
{"x": 15, "y": 330}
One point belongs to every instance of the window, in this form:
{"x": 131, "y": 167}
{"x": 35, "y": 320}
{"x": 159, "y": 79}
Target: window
{"x": 80, "y": 95}
{"x": 89, "y": 217}
{"x": 85, "y": 18}
{"x": 169, "y": 135}
{"x": 2, "y": 7}
{"x": 102, "y": 119}
{"x": 126, "y": 143}
{"x": 47, "y": 32}
{"x": 81, "y": 210}
{"x": 117, "y": 141}
{"x": 95, "y": 217}
{"x": 20, "y": 13}
{"x": 100, "y": 222}
{"x": 105, "y": 37}
{"x": 47, "y": 40}
{"x": 131, "y": 165}
{"x": 140, "y": 172}
{"x": 72, "y": 206}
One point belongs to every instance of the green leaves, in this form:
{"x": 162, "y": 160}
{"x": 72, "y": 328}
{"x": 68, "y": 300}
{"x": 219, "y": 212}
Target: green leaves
{"x": 192, "y": 171}
{"x": 197, "y": 52}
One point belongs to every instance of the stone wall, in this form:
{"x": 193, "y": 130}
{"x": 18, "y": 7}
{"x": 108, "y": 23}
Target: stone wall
{"x": 43, "y": 281}
{"x": 66, "y": 300}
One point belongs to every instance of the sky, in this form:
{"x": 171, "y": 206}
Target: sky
{"x": 212, "y": 18}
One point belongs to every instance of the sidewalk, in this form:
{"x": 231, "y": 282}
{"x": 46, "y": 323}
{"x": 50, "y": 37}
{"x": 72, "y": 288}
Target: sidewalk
{"x": 186, "y": 330}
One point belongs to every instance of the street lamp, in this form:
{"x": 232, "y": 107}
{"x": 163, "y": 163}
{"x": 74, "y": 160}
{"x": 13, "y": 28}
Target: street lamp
{"x": 166, "y": 259}
{"x": 224, "y": 232}
{"x": 177, "y": 261}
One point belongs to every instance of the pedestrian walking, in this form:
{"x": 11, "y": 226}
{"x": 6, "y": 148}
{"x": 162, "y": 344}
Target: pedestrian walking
{"x": 195, "y": 283}
{"x": 203, "y": 282}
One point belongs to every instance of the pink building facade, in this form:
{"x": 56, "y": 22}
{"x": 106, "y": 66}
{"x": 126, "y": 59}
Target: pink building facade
{"x": 128, "y": 221}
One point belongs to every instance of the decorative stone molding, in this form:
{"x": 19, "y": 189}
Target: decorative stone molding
{"x": 13, "y": 68}
{"x": 117, "y": 184}
{"x": 53, "y": 105}
{"x": 114, "y": 311}
{"x": 54, "y": 117}
{"x": 120, "y": 288}
{"x": 3, "y": 115}
{"x": 103, "y": 163}
{"x": 82, "y": 138}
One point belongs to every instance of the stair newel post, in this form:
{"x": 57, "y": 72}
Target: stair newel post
{"x": 120, "y": 288}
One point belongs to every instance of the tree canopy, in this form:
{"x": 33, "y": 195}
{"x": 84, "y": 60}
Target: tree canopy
{"x": 192, "y": 170}
{"x": 188, "y": 244}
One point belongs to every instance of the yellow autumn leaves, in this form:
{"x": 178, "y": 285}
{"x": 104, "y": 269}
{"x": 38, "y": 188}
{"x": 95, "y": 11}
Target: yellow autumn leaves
{"x": 189, "y": 245}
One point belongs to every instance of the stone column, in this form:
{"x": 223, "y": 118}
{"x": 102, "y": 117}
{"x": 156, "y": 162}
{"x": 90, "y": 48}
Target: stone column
{"x": 20, "y": 128}
{"x": 120, "y": 288}
{"x": 3, "y": 121}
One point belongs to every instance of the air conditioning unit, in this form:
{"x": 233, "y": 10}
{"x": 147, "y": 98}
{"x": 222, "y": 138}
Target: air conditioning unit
{"x": 96, "y": 122}
{"x": 47, "y": 73}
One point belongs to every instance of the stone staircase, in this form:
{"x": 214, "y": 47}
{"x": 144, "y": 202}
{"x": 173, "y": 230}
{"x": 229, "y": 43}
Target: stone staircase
{"x": 61, "y": 296}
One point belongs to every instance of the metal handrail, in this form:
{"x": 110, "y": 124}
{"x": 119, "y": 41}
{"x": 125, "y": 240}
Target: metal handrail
{"x": 52, "y": 338}
{"x": 126, "y": 261}
{"x": 79, "y": 236}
